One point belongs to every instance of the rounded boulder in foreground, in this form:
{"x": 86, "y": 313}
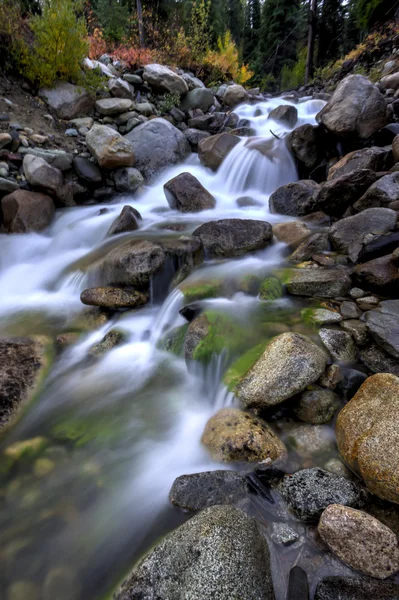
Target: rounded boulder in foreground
{"x": 234, "y": 237}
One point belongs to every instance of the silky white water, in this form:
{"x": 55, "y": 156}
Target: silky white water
{"x": 144, "y": 409}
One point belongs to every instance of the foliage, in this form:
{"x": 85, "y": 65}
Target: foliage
{"x": 170, "y": 101}
{"x": 330, "y": 31}
{"x": 294, "y": 76}
{"x": 224, "y": 64}
{"x": 11, "y": 33}
{"x": 134, "y": 56}
{"x": 97, "y": 44}
{"x": 200, "y": 31}
{"x": 113, "y": 18}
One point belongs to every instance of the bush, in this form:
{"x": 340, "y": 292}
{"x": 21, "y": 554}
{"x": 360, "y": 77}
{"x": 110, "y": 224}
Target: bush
{"x": 11, "y": 33}
{"x": 170, "y": 101}
{"x": 294, "y": 76}
{"x": 225, "y": 64}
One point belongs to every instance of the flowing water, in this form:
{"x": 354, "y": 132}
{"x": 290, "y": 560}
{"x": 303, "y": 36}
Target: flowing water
{"x": 121, "y": 428}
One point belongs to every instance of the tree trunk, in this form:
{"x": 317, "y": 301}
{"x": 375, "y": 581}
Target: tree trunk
{"x": 141, "y": 25}
{"x": 311, "y": 39}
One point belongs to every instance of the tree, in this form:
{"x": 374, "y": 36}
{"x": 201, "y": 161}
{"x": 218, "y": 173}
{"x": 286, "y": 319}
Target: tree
{"x": 311, "y": 40}
{"x": 200, "y": 30}
{"x": 251, "y": 29}
{"x": 330, "y": 31}
{"x": 235, "y": 19}
{"x": 141, "y": 24}
{"x": 113, "y": 16}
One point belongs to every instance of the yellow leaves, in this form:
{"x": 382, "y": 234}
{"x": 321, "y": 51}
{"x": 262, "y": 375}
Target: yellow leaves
{"x": 225, "y": 63}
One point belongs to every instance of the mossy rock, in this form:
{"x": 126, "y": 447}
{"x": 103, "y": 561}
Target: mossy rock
{"x": 112, "y": 339}
{"x": 202, "y": 290}
{"x": 82, "y": 431}
{"x": 174, "y": 340}
{"x": 250, "y": 284}
{"x": 242, "y": 365}
{"x": 271, "y": 288}
{"x": 26, "y": 449}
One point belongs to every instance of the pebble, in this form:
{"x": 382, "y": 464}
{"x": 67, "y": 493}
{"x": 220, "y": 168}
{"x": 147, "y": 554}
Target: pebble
{"x": 24, "y": 142}
{"x": 331, "y": 377}
{"x": 283, "y": 535}
{"x": 350, "y": 310}
{"x": 71, "y": 132}
{"x": 16, "y": 127}
{"x": 39, "y": 139}
{"x": 356, "y": 293}
{"x": 339, "y": 344}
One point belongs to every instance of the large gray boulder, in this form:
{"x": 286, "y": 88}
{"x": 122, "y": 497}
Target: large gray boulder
{"x": 305, "y": 144}
{"x": 381, "y": 193}
{"x": 157, "y": 144}
{"x": 235, "y": 94}
{"x": 383, "y": 324}
{"x": 39, "y": 174}
{"x": 164, "y": 79}
{"x": 59, "y": 159}
{"x": 27, "y": 211}
{"x": 214, "y": 149}
{"x": 374, "y": 158}
{"x": 110, "y": 149}
{"x": 113, "y": 106}
{"x": 198, "y": 98}
{"x": 68, "y": 101}
{"x": 219, "y": 553}
{"x": 357, "y": 107}
{"x": 234, "y": 237}
{"x": 201, "y": 490}
{"x": 186, "y": 194}
{"x": 321, "y": 283}
{"x": 294, "y": 199}
{"x": 336, "y": 195}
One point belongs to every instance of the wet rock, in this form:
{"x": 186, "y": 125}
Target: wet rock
{"x": 128, "y": 220}
{"x": 21, "y": 590}
{"x": 42, "y": 175}
{"x": 351, "y": 588}
{"x": 357, "y": 107}
{"x": 113, "y": 106}
{"x": 283, "y": 535}
{"x": 164, "y": 79}
{"x": 308, "y": 492}
{"x": 186, "y": 194}
{"x": 284, "y": 367}
{"x": 235, "y": 94}
{"x": 379, "y": 361}
{"x": 213, "y": 150}
{"x": 315, "y": 244}
{"x": 68, "y": 101}
{"x": 201, "y": 559}
{"x": 350, "y": 382}
{"x": 194, "y": 137}
{"x": 114, "y": 298}
{"x": 120, "y": 89}
{"x": 358, "y": 331}
{"x": 374, "y": 158}
{"x": 244, "y": 201}
{"x": 59, "y": 159}
{"x": 331, "y": 377}
{"x": 380, "y": 246}
{"x": 335, "y": 465}
{"x": 127, "y": 180}
{"x": 198, "y": 98}
{"x": 336, "y": 195}
{"x": 25, "y": 211}
{"x": 380, "y": 194}
{"x": 234, "y": 237}
{"x": 23, "y": 364}
{"x": 157, "y": 144}
{"x": 350, "y": 310}
{"x": 201, "y": 490}
{"x": 298, "y": 587}
{"x": 339, "y": 344}
{"x": 87, "y": 170}
{"x": 321, "y": 316}
{"x": 294, "y": 199}
{"x": 323, "y": 283}
{"x": 7, "y": 186}
{"x": 367, "y": 435}
{"x": 271, "y": 289}
{"x": 291, "y": 233}
{"x": 285, "y": 114}
{"x": 233, "y": 435}
{"x": 310, "y": 441}
{"x": 109, "y": 341}
{"x": 109, "y": 148}
{"x": 305, "y": 144}
{"x": 348, "y": 235}
{"x": 360, "y": 541}
{"x": 380, "y": 275}
{"x": 383, "y": 324}
{"x": 316, "y": 405}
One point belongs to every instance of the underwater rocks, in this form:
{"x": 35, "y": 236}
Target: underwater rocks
{"x": 228, "y": 238}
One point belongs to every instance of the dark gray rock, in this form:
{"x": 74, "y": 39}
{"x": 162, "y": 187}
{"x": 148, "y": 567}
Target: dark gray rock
{"x": 305, "y": 144}
{"x": 323, "y": 283}
{"x": 379, "y": 361}
{"x": 380, "y": 246}
{"x": 213, "y": 150}
{"x": 201, "y": 490}
{"x": 285, "y": 114}
{"x": 87, "y": 170}
{"x": 25, "y": 211}
{"x": 383, "y": 324}
{"x": 316, "y": 405}
{"x": 351, "y": 588}
{"x": 234, "y": 237}
{"x": 339, "y": 343}
{"x": 197, "y": 98}
{"x": 374, "y": 158}
{"x": 128, "y": 220}
{"x": 316, "y": 243}
{"x": 380, "y": 275}
{"x": 127, "y": 180}
{"x": 336, "y": 195}
{"x": 194, "y": 137}
{"x": 380, "y": 194}
{"x": 186, "y": 194}
{"x": 68, "y": 101}
{"x": 295, "y": 199}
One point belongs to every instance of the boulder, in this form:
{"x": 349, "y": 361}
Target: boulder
{"x": 367, "y": 434}
{"x": 360, "y": 541}
{"x": 234, "y": 95}
{"x": 87, "y": 170}
{"x": 67, "y": 100}
{"x": 322, "y": 283}
{"x": 202, "y": 559}
{"x": 336, "y": 195}
{"x": 192, "y": 82}
{"x": 389, "y": 82}
{"x": 127, "y": 180}
{"x": 113, "y": 106}
{"x": 111, "y": 340}
{"x": 198, "y": 98}
{"x": 25, "y": 211}
{"x": 357, "y": 107}
{"x": 164, "y": 79}
{"x": 110, "y": 149}
{"x": 234, "y": 237}
{"x": 395, "y": 148}
{"x": 120, "y": 88}
{"x": 186, "y": 194}
{"x": 275, "y": 372}
{"x": 291, "y": 232}
{"x": 201, "y": 490}
{"x": 213, "y": 150}
{"x": 40, "y": 174}
{"x": 157, "y": 144}
{"x": 233, "y": 435}
{"x": 379, "y": 361}
{"x": 383, "y": 324}
{"x": 316, "y": 405}
{"x": 59, "y": 159}
{"x": 285, "y": 114}
{"x": 339, "y": 343}
{"x": 128, "y": 220}
{"x": 308, "y": 492}
{"x": 351, "y": 588}
{"x": 315, "y": 244}
{"x": 374, "y": 158}
{"x": 113, "y": 298}
{"x": 194, "y": 137}
{"x": 348, "y": 235}
{"x": 294, "y": 199}
{"x": 380, "y": 194}
{"x": 7, "y": 186}
{"x": 380, "y": 275}
{"x": 305, "y": 144}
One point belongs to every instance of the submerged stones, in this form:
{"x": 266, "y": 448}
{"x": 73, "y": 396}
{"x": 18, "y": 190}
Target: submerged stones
{"x": 186, "y": 194}
{"x": 233, "y": 435}
{"x": 202, "y": 559}
{"x": 234, "y": 237}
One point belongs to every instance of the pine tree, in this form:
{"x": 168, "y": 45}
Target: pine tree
{"x": 251, "y": 30}
{"x": 235, "y": 19}
{"x": 113, "y": 16}
{"x": 330, "y": 31}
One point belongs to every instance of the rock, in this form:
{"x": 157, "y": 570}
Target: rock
{"x": 348, "y": 235}
{"x": 23, "y": 365}
{"x": 157, "y": 144}
{"x": 235, "y": 94}
{"x": 8, "y": 186}
{"x": 305, "y": 144}
{"x": 357, "y": 107}
{"x": 70, "y": 132}
{"x": 316, "y": 405}
{"x": 389, "y": 82}
{"x": 350, "y": 310}
{"x": 82, "y": 123}
{"x": 114, "y": 298}
{"x": 163, "y": 78}
{"x": 294, "y": 199}
{"x": 234, "y": 237}
{"x": 292, "y": 232}
{"x": 321, "y": 316}
{"x": 395, "y": 148}
{"x": 42, "y": 175}
{"x": 109, "y": 148}
{"x": 56, "y": 158}
{"x": 201, "y": 559}
{"x": 283, "y": 535}
{"x": 336, "y": 195}
{"x": 244, "y": 201}
{"x": 310, "y": 441}
{"x": 68, "y": 101}
{"x": 367, "y": 435}
{"x": 201, "y": 490}
{"x": 233, "y": 435}
{"x": 383, "y": 324}
{"x": 127, "y": 180}
{"x": 5, "y": 140}
{"x": 315, "y": 244}
{"x": 322, "y": 283}
{"x": 358, "y": 331}
{"x": 194, "y": 137}
{"x": 286, "y": 366}
{"x": 308, "y": 492}
{"x": 271, "y": 289}
{"x": 111, "y": 340}
{"x": 192, "y": 82}
{"x": 380, "y": 193}
{"x": 198, "y": 98}
{"x": 374, "y": 158}
{"x": 144, "y": 108}
{"x": 133, "y": 79}
{"x": 380, "y": 246}
{"x": 339, "y": 344}
{"x": 186, "y": 194}
{"x": 360, "y": 541}
{"x": 213, "y": 150}
{"x": 20, "y": 590}
{"x": 127, "y": 221}
{"x": 379, "y": 361}
{"x": 285, "y": 114}
{"x": 27, "y": 211}
{"x": 113, "y": 106}
{"x": 380, "y": 275}
{"x": 120, "y": 88}
{"x": 350, "y": 588}
{"x": 87, "y": 170}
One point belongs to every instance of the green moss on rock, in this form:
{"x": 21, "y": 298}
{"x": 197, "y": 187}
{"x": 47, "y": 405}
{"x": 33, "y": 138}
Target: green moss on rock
{"x": 243, "y": 364}
{"x": 174, "y": 340}
{"x": 201, "y": 291}
{"x": 271, "y": 289}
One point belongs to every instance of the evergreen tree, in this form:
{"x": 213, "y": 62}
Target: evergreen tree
{"x": 113, "y": 16}
{"x": 235, "y": 19}
{"x": 251, "y": 30}
{"x": 330, "y": 31}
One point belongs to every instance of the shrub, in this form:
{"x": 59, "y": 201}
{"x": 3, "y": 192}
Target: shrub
{"x": 170, "y": 101}
{"x": 225, "y": 64}
{"x": 11, "y": 33}
{"x": 294, "y": 76}
{"x": 134, "y": 56}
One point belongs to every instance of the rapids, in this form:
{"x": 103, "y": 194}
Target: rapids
{"x": 141, "y": 410}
